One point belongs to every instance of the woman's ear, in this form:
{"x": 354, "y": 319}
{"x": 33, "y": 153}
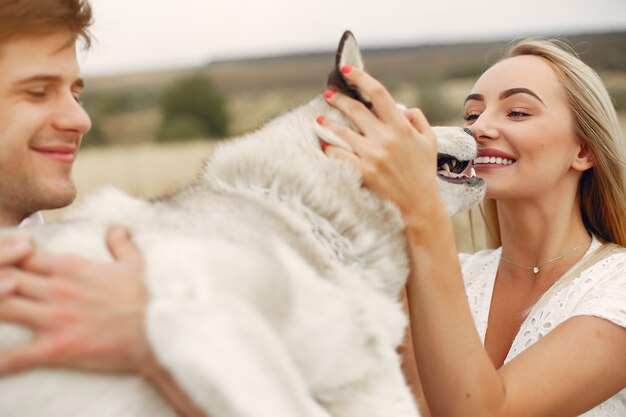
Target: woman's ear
{"x": 584, "y": 159}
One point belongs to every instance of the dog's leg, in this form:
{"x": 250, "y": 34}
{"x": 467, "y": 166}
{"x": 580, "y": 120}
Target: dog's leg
{"x": 229, "y": 360}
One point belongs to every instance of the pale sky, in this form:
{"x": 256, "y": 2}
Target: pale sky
{"x": 139, "y": 35}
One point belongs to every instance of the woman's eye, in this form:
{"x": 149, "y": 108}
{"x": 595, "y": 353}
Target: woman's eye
{"x": 518, "y": 113}
{"x": 77, "y": 98}
{"x": 470, "y": 116}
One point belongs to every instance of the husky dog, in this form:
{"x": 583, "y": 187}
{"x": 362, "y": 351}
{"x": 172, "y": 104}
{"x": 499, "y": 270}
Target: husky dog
{"x": 274, "y": 281}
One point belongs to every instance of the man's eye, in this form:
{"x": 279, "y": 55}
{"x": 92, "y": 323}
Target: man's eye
{"x": 37, "y": 93}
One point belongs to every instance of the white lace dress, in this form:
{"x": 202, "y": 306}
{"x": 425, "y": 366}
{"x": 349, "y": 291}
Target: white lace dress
{"x": 598, "y": 291}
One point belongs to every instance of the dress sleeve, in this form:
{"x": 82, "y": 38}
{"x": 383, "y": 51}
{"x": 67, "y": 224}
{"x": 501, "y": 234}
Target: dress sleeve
{"x": 607, "y": 299}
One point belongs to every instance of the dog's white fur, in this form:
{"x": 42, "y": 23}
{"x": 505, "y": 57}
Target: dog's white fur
{"x": 273, "y": 286}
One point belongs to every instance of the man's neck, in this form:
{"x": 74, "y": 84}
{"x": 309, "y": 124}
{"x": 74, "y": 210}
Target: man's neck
{"x": 11, "y": 219}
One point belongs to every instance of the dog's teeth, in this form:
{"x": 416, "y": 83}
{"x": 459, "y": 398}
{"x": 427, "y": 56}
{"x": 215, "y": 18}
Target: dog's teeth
{"x": 453, "y": 162}
{"x": 446, "y": 167}
{"x": 472, "y": 173}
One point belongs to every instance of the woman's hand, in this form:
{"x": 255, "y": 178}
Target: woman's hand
{"x": 394, "y": 150}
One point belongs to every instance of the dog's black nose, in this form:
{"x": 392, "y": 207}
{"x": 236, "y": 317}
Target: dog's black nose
{"x": 468, "y": 131}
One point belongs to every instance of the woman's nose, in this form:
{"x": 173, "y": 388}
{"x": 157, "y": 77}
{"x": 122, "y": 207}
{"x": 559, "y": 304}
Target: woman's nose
{"x": 484, "y": 128}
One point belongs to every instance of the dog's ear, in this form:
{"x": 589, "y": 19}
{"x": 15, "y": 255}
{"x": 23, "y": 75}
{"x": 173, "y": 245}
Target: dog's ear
{"x": 348, "y": 53}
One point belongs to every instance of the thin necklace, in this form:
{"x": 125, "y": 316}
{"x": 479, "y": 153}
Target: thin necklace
{"x": 536, "y": 268}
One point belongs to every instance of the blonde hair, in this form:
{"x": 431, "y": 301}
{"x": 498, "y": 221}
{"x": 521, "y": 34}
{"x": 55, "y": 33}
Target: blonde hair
{"x": 602, "y": 189}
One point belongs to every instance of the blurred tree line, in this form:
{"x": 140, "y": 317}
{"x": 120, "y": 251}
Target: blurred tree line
{"x": 234, "y": 96}
{"x": 190, "y": 108}
{"x": 193, "y": 108}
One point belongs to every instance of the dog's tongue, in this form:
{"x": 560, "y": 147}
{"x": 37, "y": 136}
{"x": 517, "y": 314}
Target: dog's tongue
{"x": 449, "y": 174}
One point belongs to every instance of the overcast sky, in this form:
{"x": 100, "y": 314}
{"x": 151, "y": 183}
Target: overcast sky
{"x": 139, "y": 35}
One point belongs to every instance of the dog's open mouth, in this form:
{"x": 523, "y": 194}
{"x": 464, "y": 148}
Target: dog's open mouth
{"x": 458, "y": 172}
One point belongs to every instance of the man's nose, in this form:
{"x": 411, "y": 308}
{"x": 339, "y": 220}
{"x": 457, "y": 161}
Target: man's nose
{"x": 71, "y": 116}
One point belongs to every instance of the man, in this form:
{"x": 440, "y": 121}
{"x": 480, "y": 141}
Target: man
{"x": 67, "y": 301}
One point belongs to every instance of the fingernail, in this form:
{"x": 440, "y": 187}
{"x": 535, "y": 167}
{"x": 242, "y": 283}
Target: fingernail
{"x": 320, "y": 120}
{"x": 324, "y": 147}
{"x": 328, "y": 93}
{"x": 346, "y": 69}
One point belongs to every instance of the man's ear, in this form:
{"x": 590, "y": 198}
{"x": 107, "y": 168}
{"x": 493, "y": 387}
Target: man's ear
{"x": 583, "y": 159}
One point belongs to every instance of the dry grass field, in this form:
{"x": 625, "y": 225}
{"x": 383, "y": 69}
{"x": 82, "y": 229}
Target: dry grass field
{"x": 145, "y": 170}
{"x": 150, "y": 170}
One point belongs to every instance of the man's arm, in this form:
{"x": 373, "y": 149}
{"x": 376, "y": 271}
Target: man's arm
{"x": 85, "y": 314}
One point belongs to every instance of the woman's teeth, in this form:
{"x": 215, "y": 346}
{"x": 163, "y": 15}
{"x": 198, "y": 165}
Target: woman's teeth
{"x": 492, "y": 160}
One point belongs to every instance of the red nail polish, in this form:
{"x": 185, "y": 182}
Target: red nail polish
{"x": 346, "y": 69}
{"x": 324, "y": 146}
{"x": 320, "y": 120}
{"x": 328, "y": 93}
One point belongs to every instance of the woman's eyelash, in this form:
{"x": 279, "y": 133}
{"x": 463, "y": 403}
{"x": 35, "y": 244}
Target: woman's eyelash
{"x": 512, "y": 113}
{"x": 518, "y": 113}
{"x": 470, "y": 116}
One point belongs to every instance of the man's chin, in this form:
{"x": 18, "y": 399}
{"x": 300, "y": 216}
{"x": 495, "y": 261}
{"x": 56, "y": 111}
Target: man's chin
{"x": 55, "y": 196}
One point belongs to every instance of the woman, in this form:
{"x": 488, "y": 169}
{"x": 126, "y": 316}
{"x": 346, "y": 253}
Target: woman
{"x": 509, "y": 332}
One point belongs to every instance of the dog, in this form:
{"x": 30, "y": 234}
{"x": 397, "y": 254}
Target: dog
{"x": 274, "y": 281}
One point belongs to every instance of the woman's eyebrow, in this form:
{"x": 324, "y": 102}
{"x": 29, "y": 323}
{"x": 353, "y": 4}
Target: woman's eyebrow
{"x": 478, "y": 97}
{"x": 519, "y": 90}
{"x": 505, "y": 94}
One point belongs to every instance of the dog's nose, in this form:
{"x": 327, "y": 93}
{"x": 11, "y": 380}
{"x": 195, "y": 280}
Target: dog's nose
{"x": 468, "y": 131}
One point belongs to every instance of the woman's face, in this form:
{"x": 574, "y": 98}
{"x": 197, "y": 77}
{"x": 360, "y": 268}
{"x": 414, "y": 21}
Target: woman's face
{"x": 525, "y": 130}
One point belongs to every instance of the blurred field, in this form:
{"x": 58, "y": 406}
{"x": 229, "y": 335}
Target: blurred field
{"x": 145, "y": 170}
{"x": 260, "y": 88}
{"x": 150, "y": 170}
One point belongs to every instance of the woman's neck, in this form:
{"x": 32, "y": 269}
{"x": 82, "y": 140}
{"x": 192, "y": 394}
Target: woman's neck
{"x": 534, "y": 231}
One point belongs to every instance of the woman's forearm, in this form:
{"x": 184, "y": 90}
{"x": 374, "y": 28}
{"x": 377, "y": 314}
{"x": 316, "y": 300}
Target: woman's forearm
{"x": 409, "y": 366}
{"x": 457, "y": 376}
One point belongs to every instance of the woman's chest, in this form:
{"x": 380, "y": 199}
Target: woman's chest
{"x": 511, "y": 300}
{"x": 510, "y": 316}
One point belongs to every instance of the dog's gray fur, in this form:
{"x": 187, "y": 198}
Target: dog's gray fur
{"x": 273, "y": 284}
